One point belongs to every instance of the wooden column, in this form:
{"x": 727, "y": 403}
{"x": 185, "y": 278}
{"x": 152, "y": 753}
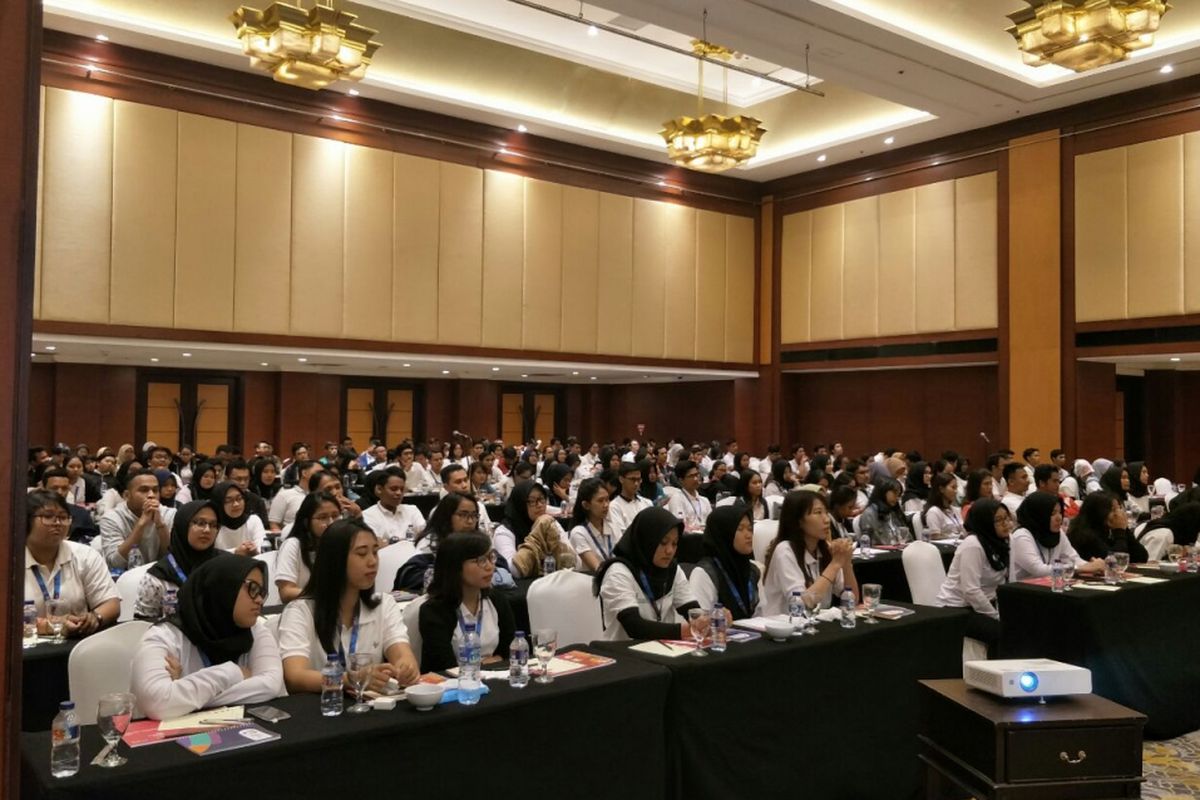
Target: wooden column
{"x": 1030, "y": 344}
{"x": 20, "y": 47}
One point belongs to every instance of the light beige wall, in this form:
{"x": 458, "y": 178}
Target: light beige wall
{"x": 1137, "y": 230}
{"x": 920, "y": 260}
{"x": 158, "y": 218}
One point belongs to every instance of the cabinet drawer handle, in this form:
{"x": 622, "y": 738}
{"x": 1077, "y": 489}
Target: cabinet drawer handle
{"x": 1082, "y": 757}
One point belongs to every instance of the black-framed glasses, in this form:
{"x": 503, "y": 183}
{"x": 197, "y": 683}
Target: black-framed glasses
{"x": 469, "y": 516}
{"x": 485, "y": 560}
{"x": 53, "y": 519}
{"x": 535, "y": 501}
{"x": 205, "y": 525}
{"x": 255, "y": 589}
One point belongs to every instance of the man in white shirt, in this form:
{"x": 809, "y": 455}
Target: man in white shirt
{"x": 1058, "y": 458}
{"x": 1032, "y": 457}
{"x": 731, "y": 447}
{"x": 379, "y": 458}
{"x": 136, "y": 524}
{"x": 454, "y": 479}
{"x": 995, "y": 465}
{"x": 1016, "y": 480}
{"x": 287, "y": 501}
{"x": 390, "y": 518}
{"x": 799, "y": 462}
{"x": 626, "y": 505}
{"x": 416, "y": 471}
{"x": 862, "y": 484}
{"x": 687, "y": 503}
{"x": 589, "y": 461}
{"x": 631, "y": 455}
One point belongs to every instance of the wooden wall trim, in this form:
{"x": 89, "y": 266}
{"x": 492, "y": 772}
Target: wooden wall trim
{"x": 904, "y": 362}
{"x": 126, "y": 73}
{"x": 1067, "y": 324}
{"x": 908, "y": 338}
{"x": 375, "y": 346}
{"x": 1147, "y": 349}
{"x": 1141, "y": 323}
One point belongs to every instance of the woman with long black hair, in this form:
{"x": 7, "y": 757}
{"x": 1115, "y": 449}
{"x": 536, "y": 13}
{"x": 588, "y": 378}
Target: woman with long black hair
{"x": 297, "y": 554}
{"x": 802, "y": 558}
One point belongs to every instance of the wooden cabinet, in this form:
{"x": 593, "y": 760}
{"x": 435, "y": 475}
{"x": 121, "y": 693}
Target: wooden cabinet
{"x": 1071, "y": 748}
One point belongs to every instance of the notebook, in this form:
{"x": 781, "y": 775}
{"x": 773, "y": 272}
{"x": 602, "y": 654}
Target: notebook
{"x": 226, "y": 739}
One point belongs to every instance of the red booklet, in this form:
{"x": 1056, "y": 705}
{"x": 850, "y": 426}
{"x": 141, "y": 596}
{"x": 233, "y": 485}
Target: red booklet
{"x": 145, "y": 731}
{"x": 577, "y": 661}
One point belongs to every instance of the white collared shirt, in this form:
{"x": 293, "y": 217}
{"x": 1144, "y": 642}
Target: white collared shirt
{"x": 85, "y": 583}
{"x": 693, "y": 509}
{"x": 621, "y": 512}
{"x": 378, "y": 629}
{"x": 971, "y": 581}
{"x": 1028, "y": 559}
{"x": 586, "y": 539}
{"x": 285, "y": 505}
{"x": 289, "y": 565}
{"x": 620, "y": 590}
{"x": 785, "y": 576}
{"x": 394, "y": 524}
{"x": 251, "y": 531}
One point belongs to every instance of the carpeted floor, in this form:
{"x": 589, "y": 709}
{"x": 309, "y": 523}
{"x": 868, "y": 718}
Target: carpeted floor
{"x": 1172, "y": 768}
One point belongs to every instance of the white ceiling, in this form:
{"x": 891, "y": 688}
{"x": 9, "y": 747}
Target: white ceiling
{"x": 913, "y": 69}
{"x": 1137, "y": 365}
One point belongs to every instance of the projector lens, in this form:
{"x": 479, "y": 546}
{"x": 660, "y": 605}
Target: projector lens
{"x": 1028, "y": 681}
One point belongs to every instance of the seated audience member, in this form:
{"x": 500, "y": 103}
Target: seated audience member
{"x": 1182, "y": 522}
{"x": 339, "y": 614}
{"x": 241, "y": 532}
{"x": 688, "y": 504}
{"x": 390, "y": 517}
{"x": 70, "y": 572}
{"x": 883, "y": 520}
{"x": 750, "y": 494}
{"x": 215, "y": 651}
{"x": 556, "y": 478}
{"x": 454, "y": 513}
{"x": 628, "y": 502}
{"x": 802, "y": 558}
{"x": 940, "y": 517}
{"x": 1016, "y": 486}
{"x": 843, "y": 508}
{"x": 1139, "y": 489}
{"x": 137, "y": 530}
{"x": 193, "y": 540}
{"x": 480, "y": 475}
{"x": 525, "y": 506}
{"x": 459, "y": 600}
{"x": 455, "y": 479}
{"x": 592, "y": 535}
{"x": 1100, "y": 528}
{"x": 652, "y": 484}
{"x": 727, "y": 572}
{"x": 113, "y": 496}
{"x": 782, "y": 479}
{"x": 916, "y": 487}
{"x": 83, "y": 527}
{"x": 294, "y": 564}
{"x": 1085, "y": 477}
{"x": 1039, "y": 541}
{"x": 714, "y": 485}
{"x": 545, "y": 540}
{"x": 979, "y": 484}
{"x": 330, "y": 482}
{"x": 239, "y": 474}
{"x": 980, "y": 565}
{"x": 643, "y": 592}
{"x": 168, "y": 488}
{"x": 287, "y": 501}
{"x": 1116, "y": 481}
{"x": 266, "y": 482}
{"x": 200, "y": 487}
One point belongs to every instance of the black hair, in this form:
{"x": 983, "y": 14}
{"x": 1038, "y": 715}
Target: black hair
{"x": 441, "y": 521}
{"x": 1010, "y": 469}
{"x": 1043, "y": 473}
{"x": 328, "y": 581}
{"x": 453, "y": 551}
{"x": 302, "y": 525}
{"x": 36, "y": 501}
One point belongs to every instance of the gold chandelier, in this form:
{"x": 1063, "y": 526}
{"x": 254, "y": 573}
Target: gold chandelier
{"x": 711, "y": 142}
{"x": 1085, "y": 34}
{"x": 311, "y": 47}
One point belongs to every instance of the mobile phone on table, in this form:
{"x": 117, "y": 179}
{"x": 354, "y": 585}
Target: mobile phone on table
{"x": 268, "y": 713}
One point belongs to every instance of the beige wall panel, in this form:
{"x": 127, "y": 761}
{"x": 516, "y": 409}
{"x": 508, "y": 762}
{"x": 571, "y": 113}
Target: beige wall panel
{"x": 367, "y": 280}
{"x": 710, "y": 286}
{"x": 263, "y": 238}
{"x": 975, "y": 253}
{"x": 650, "y": 220}
{"x": 935, "y": 257}
{"x": 415, "y": 242}
{"x": 503, "y": 258}
{"x": 318, "y": 235}
{"x": 860, "y": 294}
{"x": 795, "y": 278}
{"x": 581, "y": 269}
{"x": 1191, "y": 223}
{"x": 679, "y": 256}
{"x": 205, "y": 223}
{"x": 1100, "y": 198}
{"x": 143, "y": 215}
{"x": 897, "y": 263}
{"x": 765, "y": 272}
{"x": 739, "y": 289}
{"x": 37, "y": 250}
{"x": 828, "y": 256}
{"x": 614, "y": 318}
{"x": 460, "y": 256}
{"x": 541, "y": 317}
{"x": 1155, "y": 181}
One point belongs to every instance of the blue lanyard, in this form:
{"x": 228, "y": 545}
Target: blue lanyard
{"x": 353, "y": 639}
{"x": 746, "y": 609}
{"x": 606, "y": 552}
{"x": 37, "y": 573}
{"x": 175, "y": 566}
{"x": 477, "y": 627}
{"x": 645, "y": 582}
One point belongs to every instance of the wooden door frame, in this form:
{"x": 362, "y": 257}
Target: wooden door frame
{"x": 190, "y": 378}
{"x": 383, "y": 385}
{"x": 528, "y": 390}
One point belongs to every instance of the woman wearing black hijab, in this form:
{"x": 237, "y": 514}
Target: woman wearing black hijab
{"x": 242, "y": 532}
{"x": 980, "y": 565}
{"x": 1100, "y": 528}
{"x": 1038, "y": 541}
{"x": 727, "y": 573}
{"x": 1115, "y": 480}
{"x": 1183, "y": 521}
{"x": 1139, "y": 477}
{"x": 882, "y": 519}
{"x": 215, "y": 651}
{"x": 916, "y": 487}
{"x": 193, "y": 540}
{"x": 204, "y": 479}
{"x": 556, "y": 480}
{"x": 265, "y": 481}
{"x": 643, "y": 592}
{"x": 525, "y": 504}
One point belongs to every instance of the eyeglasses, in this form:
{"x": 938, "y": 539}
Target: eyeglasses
{"x": 53, "y": 519}
{"x": 233, "y": 501}
{"x": 533, "y": 502}
{"x": 469, "y": 516}
{"x": 486, "y": 560}
{"x": 204, "y": 525}
{"x": 254, "y": 589}
{"x": 328, "y": 519}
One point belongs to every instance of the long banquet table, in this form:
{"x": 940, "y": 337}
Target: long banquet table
{"x": 44, "y": 682}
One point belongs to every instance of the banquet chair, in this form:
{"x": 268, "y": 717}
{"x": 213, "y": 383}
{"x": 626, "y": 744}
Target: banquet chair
{"x": 272, "y": 623}
{"x": 391, "y": 558}
{"x": 727, "y": 501}
{"x": 269, "y": 558}
{"x": 563, "y": 600}
{"x": 973, "y": 650}
{"x": 411, "y": 616}
{"x": 924, "y": 571}
{"x": 764, "y": 532}
{"x": 775, "y": 505}
{"x": 127, "y": 588}
{"x": 1156, "y": 541}
{"x": 101, "y": 664}
{"x": 918, "y": 527}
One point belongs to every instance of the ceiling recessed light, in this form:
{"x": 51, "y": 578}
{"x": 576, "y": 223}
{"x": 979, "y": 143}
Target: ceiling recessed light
{"x": 522, "y": 129}
{"x": 662, "y": 183}
{"x": 495, "y": 369}
{"x": 576, "y": 372}
{"x": 302, "y": 360}
{"x": 33, "y": 355}
{"x": 186, "y": 355}
{"x": 1176, "y": 358}
{"x": 524, "y": 374}
{"x": 593, "y": 30}
{"x": 445, "y": 372}
{"x": 1166, "y": 69}
{"x": 264, "y": 364}
{"x": 51, "y": 348}
{"x": 890, "y": 140}
{"x": 353, "y": 92}
{"x": 593, "y": 377}
{"x": 407, "y": 365}
{"x": 155, "y": 360}
{"x": 1083, "y": 37}
{"x": 100, "y": 37}
{"x": 821, "y": 158}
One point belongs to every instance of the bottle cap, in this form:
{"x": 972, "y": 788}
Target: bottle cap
{"x": 520, "y": 633}
{"x": 66, "y": 705}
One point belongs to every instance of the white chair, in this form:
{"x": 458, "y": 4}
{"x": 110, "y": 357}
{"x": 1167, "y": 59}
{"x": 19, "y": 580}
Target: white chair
{"x": 391, "y": 558}
{"x": 727, "y": 501}
{"x": 1156, "y": 541}
{"x": 775, "y": 505}
{"x": 127, "y": 586}
{"x": 272, "y": 623}
{"x": 563, "y": 601}
{"x": 764, "y": 531}
{"x": 857, "y": 524}
{"x": 411, "y": 616}
{"x": 924, "y": 571}
{"x": 268, "y": 559}
{"x": 973, "y": 650}
{"x": 918, "y": 526}
{"x": 102, "y": 664}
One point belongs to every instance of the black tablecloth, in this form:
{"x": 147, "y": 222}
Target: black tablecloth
{"x": 828, "y": 716}
{"x": 598, "y": 733}
{"x": 44, "y": 683}
{"x": 1142, "y": 643}
{"x": 887, "y": 569}
{"x": 424, "y": 502}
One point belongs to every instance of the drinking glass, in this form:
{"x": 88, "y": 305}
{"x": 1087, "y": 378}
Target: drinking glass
{"x": 864, "y": 544}
{"x": 56, "y": 611}
{"x": 1122, "y": 565}
{"x": 360, "y": 675}
{"x": 112, "y": 717}
{"x": 812, "y": 610}
{"x": 1174, "y": 552}
{"x": 545, "y": 645}
{"x": 29, "y": 637}
{"x": 871, "y": 593}
{"x": 1068, "y": 574}
{"x": 699, "y": 620}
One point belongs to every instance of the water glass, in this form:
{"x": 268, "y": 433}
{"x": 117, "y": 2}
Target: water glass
{"x": 1068, "y": 574}
{"x": 29, "y": 634}
{"x": 871, "y": 592}
{"x": 699, "y": 620}
{"x": 812, "y": 611}
{"x": 361, "y": 666}
{"x": 864, "y": 544}
{"x": 1122, "y": 565}
{"x": 56, "y": 617}
{"x": 112, "y": 717}
{"x": 545, "y": 645}
{"x": 1057, "y": 580}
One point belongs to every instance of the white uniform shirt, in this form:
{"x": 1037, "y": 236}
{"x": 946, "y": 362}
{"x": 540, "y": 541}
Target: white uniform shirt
{"x": 489, "y": 632}
{"x": 586, "y": 539}
{"x": 251, "y": 531}
{"x": 202, "y": 686}
{"x": 1028, "y": 559}
{"x": 394, "y": 524}
{"x": 620, "y": 590}
{"x": 946, "y": 523}
{"x": 1012, "y": 502}
{"x": 785, "y": 576}
{"x": 621, "y": 512}
{"x": 84, "y": 583}
{"x": 378, "y": 629}
{"x": 285, "y": 505}
{"x": 289, "y": 566}
{"x": 971, "y": 581}
{"x": 505, "y": 541}
{"x": 692, "y": 509}
{"x": 419, "y": 479}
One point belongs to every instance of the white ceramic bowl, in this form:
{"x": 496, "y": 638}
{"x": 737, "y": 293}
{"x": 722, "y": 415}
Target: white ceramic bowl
{"x": 779, "y": 631}
{"x": 424, "y": 696}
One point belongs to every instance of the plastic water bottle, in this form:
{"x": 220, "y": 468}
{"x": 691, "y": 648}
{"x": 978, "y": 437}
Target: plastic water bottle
{"x": 64, "y": 742}
{"x": 518, "y": 661}
{"x": 849, "y": 620}
{"x": 1058, "y": 580}
{"x": 469, "y": 666}
{"x": 170, "y": 602}
{"x": 134, "y": 559}
{"x": 796, "y": 611}
{"x": 549, "y": 564}
{"x": 720, "y": 634}
{"x": 331, "y": 686}
{"x": 29, "y": 633}
{"x": 426, "y": 580}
